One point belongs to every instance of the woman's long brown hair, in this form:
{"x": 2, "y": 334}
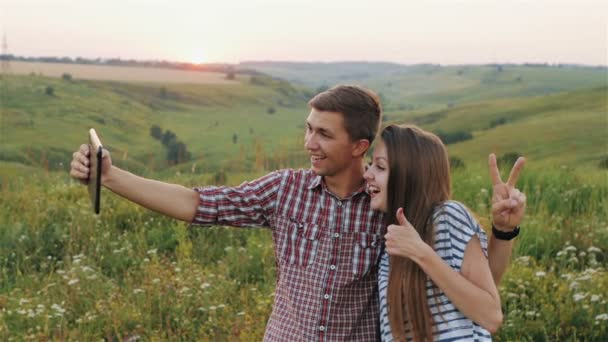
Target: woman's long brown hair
{"x": 419, "y": 180}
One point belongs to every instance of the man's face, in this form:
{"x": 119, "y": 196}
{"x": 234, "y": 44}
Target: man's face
{"x": 376, "y": 177}
{"x": 328, "y": 144}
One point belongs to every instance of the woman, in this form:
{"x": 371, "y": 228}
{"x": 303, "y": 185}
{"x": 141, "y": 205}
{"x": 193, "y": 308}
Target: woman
{"x": 439, "y": 286}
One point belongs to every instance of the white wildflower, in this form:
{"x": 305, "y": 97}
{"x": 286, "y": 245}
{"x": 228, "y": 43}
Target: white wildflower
{"x": 73, "y": 281}
{"x": 540, "y": 274}
{"x": 578, "y": 297}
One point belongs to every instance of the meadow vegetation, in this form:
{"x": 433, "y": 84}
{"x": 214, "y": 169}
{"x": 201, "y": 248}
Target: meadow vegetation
{"x": 131, "y": 274}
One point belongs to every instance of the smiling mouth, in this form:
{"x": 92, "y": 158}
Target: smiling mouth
{"x": 372, "y": 190}
{"x": 315, "y": 159}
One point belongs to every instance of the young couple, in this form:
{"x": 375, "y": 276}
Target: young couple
{"x": 362, "y": 253}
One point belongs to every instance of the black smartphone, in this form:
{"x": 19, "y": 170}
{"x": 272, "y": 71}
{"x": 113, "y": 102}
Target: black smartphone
{"x": 96, "y": 150}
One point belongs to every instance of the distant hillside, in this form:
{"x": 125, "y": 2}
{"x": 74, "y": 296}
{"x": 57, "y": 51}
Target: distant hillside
{"x": 257, "y": 123}
{"x": 221, "y": 124}
{"x": 568, "y": 128}
{"x": 411, "y": 87}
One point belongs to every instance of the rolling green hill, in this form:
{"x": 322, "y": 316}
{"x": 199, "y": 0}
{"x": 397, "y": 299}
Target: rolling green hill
{"x": 564, "y": 128}
{"x": 410, "y": 87}
{"x": 556, "y": 115}
{"x": 217, "y": 122}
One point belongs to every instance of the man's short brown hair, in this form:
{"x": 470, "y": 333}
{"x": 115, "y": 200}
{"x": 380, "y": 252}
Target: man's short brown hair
{"x": 360, "y": 107}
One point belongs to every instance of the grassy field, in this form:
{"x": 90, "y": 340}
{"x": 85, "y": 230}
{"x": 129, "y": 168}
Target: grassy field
{"x": 115, "y": 73}
{"x": 130, "y": 274}
{"x": 66, "y": 274}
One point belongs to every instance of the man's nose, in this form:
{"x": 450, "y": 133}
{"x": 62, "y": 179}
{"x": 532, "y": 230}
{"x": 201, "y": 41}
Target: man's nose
{"x": 310, "y": 142}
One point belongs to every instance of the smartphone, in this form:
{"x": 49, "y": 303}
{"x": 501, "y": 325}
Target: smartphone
{"x": 96, "y": 150}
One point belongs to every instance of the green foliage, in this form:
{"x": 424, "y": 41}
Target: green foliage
{"x": 456, "y": 163}
{"x": 156, "y": 132}
{"x": 49, "y": 90}
{"x": 130, "y": 273}
{"x": 454, "y": 137}
{"x": 603, "y": 164}
{"x": 507, "y": 160}
{"x": 66, "y": 77}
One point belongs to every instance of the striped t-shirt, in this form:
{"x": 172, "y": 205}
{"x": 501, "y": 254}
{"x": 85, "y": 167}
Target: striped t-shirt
{"x": 454, "y": 228}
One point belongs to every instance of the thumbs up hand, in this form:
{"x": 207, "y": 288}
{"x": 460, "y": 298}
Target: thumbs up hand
{"x": 403, "y": 240}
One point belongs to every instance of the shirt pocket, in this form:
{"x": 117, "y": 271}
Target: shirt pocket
{"x": 301, "y": 243}
{"x": 366, "y": 249}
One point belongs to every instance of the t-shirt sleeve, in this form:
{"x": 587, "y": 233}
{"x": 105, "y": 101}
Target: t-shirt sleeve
{"x": 246, "y": 205}
{"x": 455, "y": 226}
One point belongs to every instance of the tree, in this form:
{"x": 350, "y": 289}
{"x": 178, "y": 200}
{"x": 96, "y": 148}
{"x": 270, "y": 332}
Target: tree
{"x": 50, "y": 91}
{"x": 177, "y": 152}
{"x": 168, "y": 137}
{"x": 163, "y": 93}
{"x": 156, "y": 132}
{"x": 235, "y": 138}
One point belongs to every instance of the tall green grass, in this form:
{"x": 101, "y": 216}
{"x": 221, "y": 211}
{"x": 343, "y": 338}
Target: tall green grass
{"x": 67, "y": 274}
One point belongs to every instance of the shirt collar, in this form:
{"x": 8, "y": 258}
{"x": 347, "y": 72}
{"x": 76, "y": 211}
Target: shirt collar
{"x": 318, "y": 183}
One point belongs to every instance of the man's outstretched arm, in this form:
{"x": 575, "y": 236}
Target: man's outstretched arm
{"x": 169, "y": 199}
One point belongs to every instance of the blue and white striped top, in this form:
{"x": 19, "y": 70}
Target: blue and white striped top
{"x": 454, "y": 228}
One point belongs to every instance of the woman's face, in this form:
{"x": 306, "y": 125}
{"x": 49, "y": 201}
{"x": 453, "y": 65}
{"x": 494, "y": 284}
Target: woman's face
{"x": 377, "y": 178}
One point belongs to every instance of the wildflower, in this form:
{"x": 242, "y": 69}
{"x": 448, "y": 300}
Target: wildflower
{"x": 595, "y": 298}
{"x": 151, "y": 251}
{"x": 205, "y": 285}
{"x": 58, "y": 308}
{"x": 584, "y": 277}
{"x": 23, "y": 301}
{"x": 540, "y": 274}
{"x": 594, "y": 249}
{"x": 602, "y": 317}
{"x": 531, "y": 313}
{"x": 212, "y": 308}
{"x": 578, "y": 297}
{"x": 155, "y": 280}
{"x": 136, "y": 291}
{"x": 570, "y": 249}
{"x": 73, "y": 282}
{"x": 240, "y": 313}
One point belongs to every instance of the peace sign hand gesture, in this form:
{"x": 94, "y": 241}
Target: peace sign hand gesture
{"x": 508, "y": 203}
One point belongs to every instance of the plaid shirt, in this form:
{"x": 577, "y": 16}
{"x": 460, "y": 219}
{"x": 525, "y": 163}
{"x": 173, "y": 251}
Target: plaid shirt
{"x": 326, "y": 249}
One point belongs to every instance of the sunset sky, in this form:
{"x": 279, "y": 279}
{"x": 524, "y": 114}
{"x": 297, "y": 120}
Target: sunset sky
{"x": 403, "y": 31}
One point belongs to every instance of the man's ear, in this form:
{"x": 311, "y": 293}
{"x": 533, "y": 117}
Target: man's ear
{"x": 360, "y": 147}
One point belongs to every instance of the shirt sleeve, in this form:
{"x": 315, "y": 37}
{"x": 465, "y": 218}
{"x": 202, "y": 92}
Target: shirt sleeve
{"x": 247, "y": 205}
{"x": 455, "y": 227}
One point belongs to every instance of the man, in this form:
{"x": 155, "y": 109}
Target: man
{"x": 326, "y": 237}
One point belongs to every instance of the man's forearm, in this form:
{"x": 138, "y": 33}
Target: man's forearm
{"x": 169, "y": 199}
{"x": 499, "y": 255}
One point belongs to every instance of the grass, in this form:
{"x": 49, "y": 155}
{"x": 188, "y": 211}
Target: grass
{"x": 66, "y": 274}
{"x": 130, "y": 273}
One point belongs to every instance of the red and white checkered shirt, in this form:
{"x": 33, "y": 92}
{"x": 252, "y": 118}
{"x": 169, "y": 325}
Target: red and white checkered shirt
{"x": 326, "y": 250}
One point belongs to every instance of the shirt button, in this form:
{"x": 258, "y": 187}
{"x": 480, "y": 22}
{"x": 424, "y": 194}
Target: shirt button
{"x": 336, "y": 235}
{"x": 332, "y": 267}
{"x": 326, "y": 296}
{"x": 322, "y": 328}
